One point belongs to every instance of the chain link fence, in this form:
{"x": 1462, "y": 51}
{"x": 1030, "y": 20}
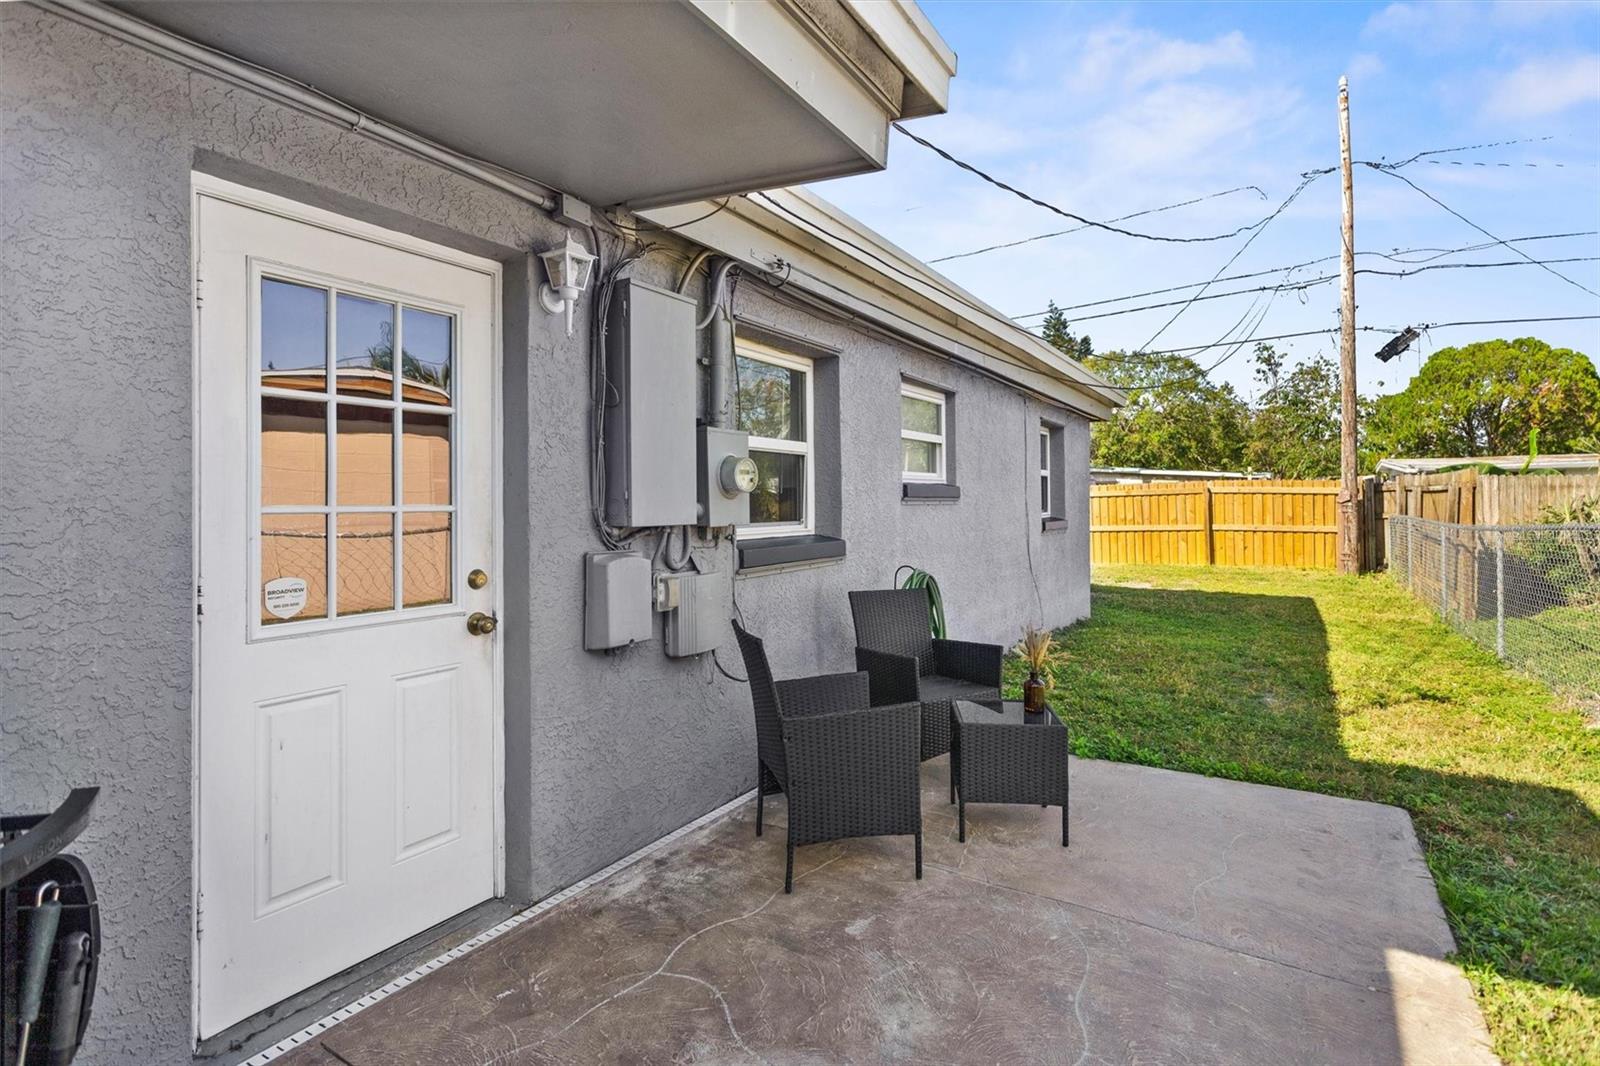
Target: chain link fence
{"x": 1530, "y": 594}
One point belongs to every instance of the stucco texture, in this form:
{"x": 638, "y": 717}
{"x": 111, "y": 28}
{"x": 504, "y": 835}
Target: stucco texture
{"x": 604, "y": 753}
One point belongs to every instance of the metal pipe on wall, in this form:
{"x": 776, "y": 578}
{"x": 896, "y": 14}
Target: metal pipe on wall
{"x": 719, "y": 396}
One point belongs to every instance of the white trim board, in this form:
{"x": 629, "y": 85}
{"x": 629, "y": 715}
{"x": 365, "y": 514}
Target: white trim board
{"x": 356, "y": 1006}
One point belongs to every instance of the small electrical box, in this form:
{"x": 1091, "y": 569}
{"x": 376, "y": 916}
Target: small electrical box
{"x": 616, "y": 600}
{"x": 649, "y": 407}
{"x": 700, "y": 621}
{"x": 727, "y": 474}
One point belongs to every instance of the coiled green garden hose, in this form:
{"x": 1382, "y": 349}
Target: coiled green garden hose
{"x": 921, "y": 579}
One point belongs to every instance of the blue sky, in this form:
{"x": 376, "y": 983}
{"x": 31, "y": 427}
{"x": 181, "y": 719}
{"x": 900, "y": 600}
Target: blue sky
{"x": 1107, "y": 109}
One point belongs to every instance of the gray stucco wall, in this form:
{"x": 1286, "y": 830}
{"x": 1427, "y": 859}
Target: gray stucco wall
{"x": 604, "y": 753}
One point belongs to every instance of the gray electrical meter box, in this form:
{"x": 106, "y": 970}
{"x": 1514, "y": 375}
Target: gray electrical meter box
{"x": 616, "y": 600}
{"x": 725, "y": 477}
{"x": 652, "y": 375}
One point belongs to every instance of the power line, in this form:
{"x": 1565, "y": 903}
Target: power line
{"x": 1393, "y": 256}
{"x": 1401, "y": 177}
{"x": 1013, "y": 190}
{"x": 1121, "y": 218}
{"x": 1299, "y": 286}
{"x": 1450, "y": 151}
{"x": 1359, "y": 329}
{"x": 1305, "y": 180}
{"x": 1502, "y": 164}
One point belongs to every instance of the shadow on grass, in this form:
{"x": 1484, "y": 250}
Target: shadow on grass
{"x": 1240, "y": 686}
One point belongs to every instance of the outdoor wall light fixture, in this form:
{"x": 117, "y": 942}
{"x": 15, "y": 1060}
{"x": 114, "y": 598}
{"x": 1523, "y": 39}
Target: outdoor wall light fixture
{"x": 567, "y": 266}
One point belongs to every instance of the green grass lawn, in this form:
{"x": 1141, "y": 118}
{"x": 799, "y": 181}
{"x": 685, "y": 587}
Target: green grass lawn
{"x": 1350, "y": 687}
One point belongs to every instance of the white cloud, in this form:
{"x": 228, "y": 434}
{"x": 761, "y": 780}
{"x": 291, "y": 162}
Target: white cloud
{"x": 1546, "y": 86}
{"x": 1182, "y": 127}
{"x": 1363, "y": 66}
{"x": 1118, "y": 56}
{"x": 1438, "y": 26}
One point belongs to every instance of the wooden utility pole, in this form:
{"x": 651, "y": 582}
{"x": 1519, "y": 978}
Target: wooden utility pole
{"x": 1349, "y": 521}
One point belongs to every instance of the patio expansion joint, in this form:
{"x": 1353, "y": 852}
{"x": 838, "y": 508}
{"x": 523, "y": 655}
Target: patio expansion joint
{"x": 1153, "y": 927}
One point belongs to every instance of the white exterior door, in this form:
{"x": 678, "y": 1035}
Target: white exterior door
{"x": 347, "y": 746}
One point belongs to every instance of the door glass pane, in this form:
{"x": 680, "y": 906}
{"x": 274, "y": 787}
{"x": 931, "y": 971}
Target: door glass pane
{"x": 366, "y": 563}
{"x": 425, "y": 363}
{"x": 425, "y": 458}
{"x": 294, "y": 452}
{"x": 771, "y": 400}
{"x": 364, "y": 353}
{"x": 921, "y": 457}
{"x": 294, "y": 567}
{"x": 779, "y": 495}
{"x": 919, "y": 416}
{"x": 294, "y": 336}
{"x": 425, "y": 577}
{"x": 365, "y": 451}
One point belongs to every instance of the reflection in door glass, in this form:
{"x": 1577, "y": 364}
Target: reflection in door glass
{"x": 365, "y": 562}
{"x": 294, "y": 568}
{"x": 294, "y": 336}
{"x": 294, "y": 452}
{"x": 425, "y": 565}
{"x": 363, "y": 356}
{"x": 365, "y": 456}
{"x": 425, "y": 365}
{"x": 425, "y": 458}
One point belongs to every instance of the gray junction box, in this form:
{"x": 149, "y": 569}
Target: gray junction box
{"x": 700, "y": 621}
{"x": 653, "y": 384}
{"x": 616, "y": 600}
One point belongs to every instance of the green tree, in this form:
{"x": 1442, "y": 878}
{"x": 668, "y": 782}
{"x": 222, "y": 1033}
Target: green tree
{"x": 1485, "y": 398}
{"x": 1175, "y": 419}
{"x": 1058, "y": 331}
{"x": 1294, "y": 423}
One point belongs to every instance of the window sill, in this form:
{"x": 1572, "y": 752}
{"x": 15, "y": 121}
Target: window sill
{"x": 929, "y": 490}
{"x": 787, "y": 551}
{"x": 1053, "y": 525}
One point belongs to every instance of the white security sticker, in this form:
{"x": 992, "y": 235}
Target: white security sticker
{"x": 285, "y": 597}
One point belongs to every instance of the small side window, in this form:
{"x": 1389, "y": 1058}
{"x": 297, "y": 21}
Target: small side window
{"x": 1044, "y": 472}
{"x": 1052, "y": 483}
{"x": 922, "y": 433}
{"x": 773, "y": 393}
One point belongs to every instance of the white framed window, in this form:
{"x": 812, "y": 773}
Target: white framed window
{"x": 773, "y": 403}
{"x": 1045, "y": 472}
{"x": 353, "y": 452}
{"x": 922, "y": 433}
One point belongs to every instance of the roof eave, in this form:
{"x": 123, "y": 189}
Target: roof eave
{"x": 831, "y": 255}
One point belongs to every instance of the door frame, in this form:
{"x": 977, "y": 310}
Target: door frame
{"x": 207, "y": 186}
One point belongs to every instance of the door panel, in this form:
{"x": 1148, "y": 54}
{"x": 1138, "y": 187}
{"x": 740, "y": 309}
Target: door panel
{"x": 346, "y": 718}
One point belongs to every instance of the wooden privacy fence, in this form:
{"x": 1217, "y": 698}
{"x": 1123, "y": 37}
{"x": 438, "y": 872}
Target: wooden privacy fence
{"x": 1473, "y": 499}
{"x": 1228, "y": 523}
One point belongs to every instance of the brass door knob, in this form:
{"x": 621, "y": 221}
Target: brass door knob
{"x": 481, "y": 625}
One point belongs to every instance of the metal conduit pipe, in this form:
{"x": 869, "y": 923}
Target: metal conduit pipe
{"x": 719, "y": 397}
{"x": 289, "y": 91}
{"x": 694, "y": 264}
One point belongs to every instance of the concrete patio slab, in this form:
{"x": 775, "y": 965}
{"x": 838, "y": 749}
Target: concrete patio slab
{"x": 1193, "y": 920}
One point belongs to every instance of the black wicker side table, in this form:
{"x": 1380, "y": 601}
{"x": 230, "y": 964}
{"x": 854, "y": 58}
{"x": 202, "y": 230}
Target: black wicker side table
{"x": 1008, "y": 756}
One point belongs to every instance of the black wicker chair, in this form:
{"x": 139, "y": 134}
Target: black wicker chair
{"x": 895, "y": 646}
{"x": 848, "y": 768}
